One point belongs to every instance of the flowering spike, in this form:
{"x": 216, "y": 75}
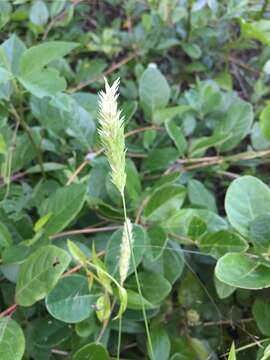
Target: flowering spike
{"x": 125, "y": 251}
{"x": 111, "y": 132}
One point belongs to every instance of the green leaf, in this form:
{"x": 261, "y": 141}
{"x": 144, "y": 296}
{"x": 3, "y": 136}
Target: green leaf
{"x": 162, "y": 115}
{"x": 36, "y": 57}
{"x": 113, "y": 250}
{"x": 70, "y": 301}
{"x": 87, "y": 327}
{"x": 103, "y": 308}
{"x": 266, "y": 353}
{"x": 246, "y": 198}
{"x": 199, "y": 195}
{"x": 164, "y": 202}
{"x": 46, "y": 82}
{"x": 170, "y": 264}
{"x": 135, "y": 301}
{"x": 154, "y": 90}
{"x": 40, "y": 273}
{"x": 3, "y": 145}
{"x": 160, "y": 342}
{"x": 5, "y": 75}
{"x": 133, "y": 184}
{"x": 201, "y": 348}
{"x": 261, "y": 313}
{"x": 223, "y": 290}
{"x": 41, "y": 222}
{"x": 77, "y": 123}
{"x": 39, "y": 13}
{"x": 91, "y": 352}
{"x": 260, "y": 233}
{"x": 235, "y": 124}
{"x": 180, "y": 221}
{"x": 76, "y": 253}
{"x": 259, "y": 30}
{"x": 192, "y": 50}
{"x": 242, "y": 271}
{"x": 158, "y": 240}
{"x": 265, "y": 121}
{"x": 199, "y": 146}
{"x": 196, "y": 228}
{"x": 219, "y": 243}
{"x": 232, "y": 354}
{"x": 160, "y": 159}
{"x": 12, "y": 342}
{"x": 154, "y": 286}
{"x": 13, "y": 49}
{"x": 176, "y": 134}
{"x": 10, "y": 53}
{"x": 64, "y": 205}
{"x": 5, "y": 236}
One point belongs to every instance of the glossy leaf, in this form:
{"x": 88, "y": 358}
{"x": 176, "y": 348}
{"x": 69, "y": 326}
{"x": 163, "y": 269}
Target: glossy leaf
{"x": 260, "y": 311}
{"x": 219, "y": 243}
{"x": 242, "y": 271}
{"x": 12, "y": 342}
{"x": 64, "y": 205}
{"x": 246, "y": 198}
{"x": 154, "y": 90}
{"x": 71, "y": 301}
{"x": 199, "y": 195}
{"x": 36, "y": 57}
{"x": 160, "y": 342}
{"x": 91, "y": 352}
{"x": 43, "y": 83}
{"x": 39, "y": 274}
{"x": 264, "y": 121}
{"x": 154, "y": 286}
{"x": 164, "y": 202}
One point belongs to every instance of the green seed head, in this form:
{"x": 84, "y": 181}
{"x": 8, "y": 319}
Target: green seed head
{"x": 111, "y": 132}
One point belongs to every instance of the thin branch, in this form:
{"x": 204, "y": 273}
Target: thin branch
{"x": 31, "y": 139}
{"x": 140, "y": 210}
{"x": 223, "y": 322}
{"x": 59, "y": 352}
{"x": 105, "y": 73}
{"x": 238, "y": 62}
{"x": 9, "y": 311}
{"x": 89, "y": 230}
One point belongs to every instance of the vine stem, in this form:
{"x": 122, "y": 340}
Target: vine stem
{"x": 138, "y": 281}
{"x": 119, "y": 338}
{"x": 31, "y": 139}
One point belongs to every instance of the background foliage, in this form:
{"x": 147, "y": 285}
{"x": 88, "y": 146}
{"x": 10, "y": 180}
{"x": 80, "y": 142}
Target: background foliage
{"x": 194, "y": 92}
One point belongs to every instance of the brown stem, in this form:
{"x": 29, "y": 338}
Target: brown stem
{"x": 140, "y": 210}
{"x": 90, "y": 230}
{"x": 105, "y": 73}
{"x": 59, "y": 352}
{"x": 31, "y": 139}
{"x": 8, "y": 311}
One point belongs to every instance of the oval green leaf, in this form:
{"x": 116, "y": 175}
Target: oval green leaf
{"x": 12, "y": 342}
{"x": 64, "y": 205}
{"x": 242, "y": 271}
{"x": 247, "y": 197}
{"x": 70, "y": 301}
{"x": 40, "y": 273}
{"x": 91, "y": 352}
